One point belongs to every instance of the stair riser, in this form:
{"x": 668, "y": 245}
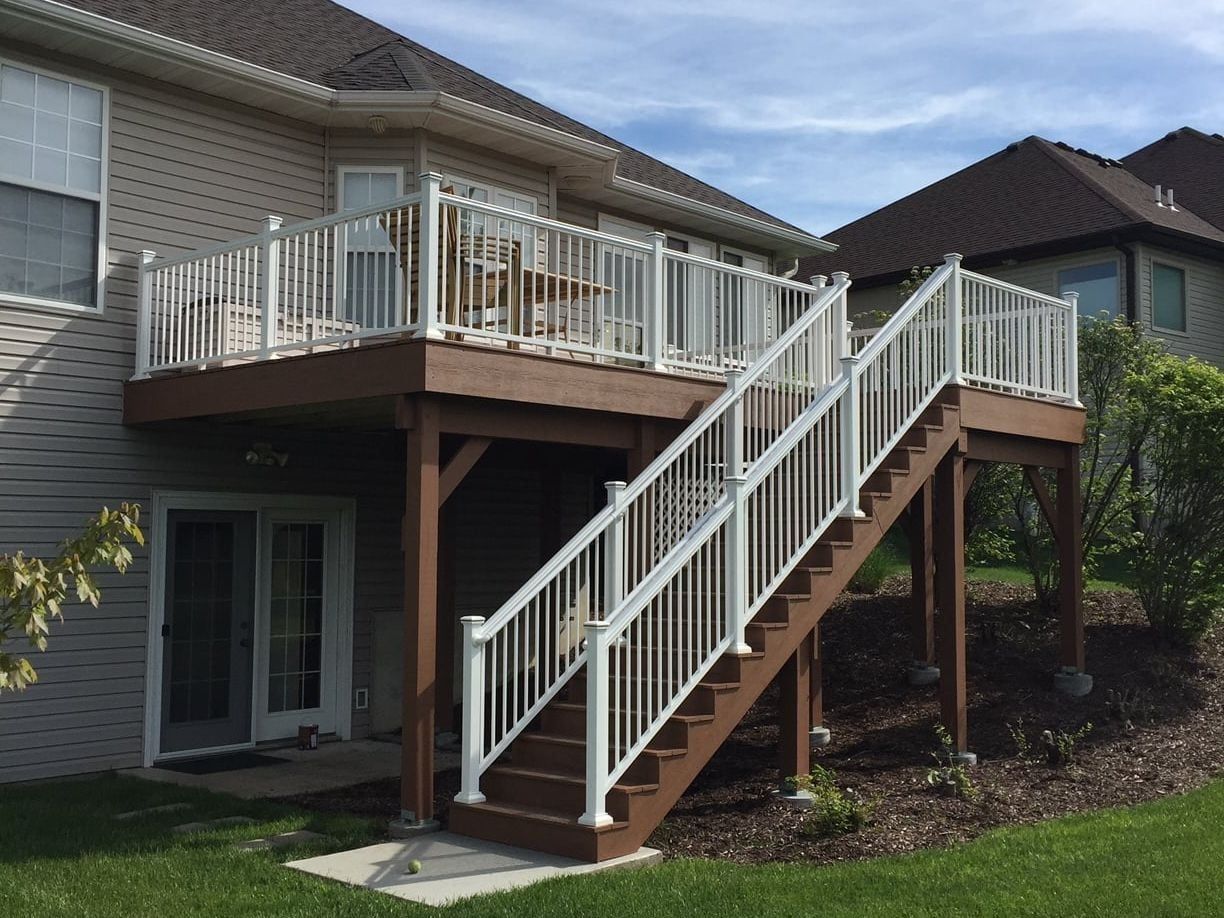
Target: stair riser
{"x": 540, "y": 793}
{"x": 568, "y": 759}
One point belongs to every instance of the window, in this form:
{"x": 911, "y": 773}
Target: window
{"x": 372, "y": 280}
{"x": 1097, "y": 286}
{"x": 52, "y": 151}
{"x": 473, "y": 224}
{"x": 1168, "y": 297}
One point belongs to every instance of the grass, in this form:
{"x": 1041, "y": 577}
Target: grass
{"x": 63, "y": 854}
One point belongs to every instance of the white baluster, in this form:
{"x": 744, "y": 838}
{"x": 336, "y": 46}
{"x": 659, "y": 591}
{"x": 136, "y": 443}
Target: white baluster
{"x": 1073, "y": 347}
{"x": 656, "y": 334}
{"x": 597, "y": 726}
{"x": 473, "y": 710}
{"x": 269, "y": 295}
{"x": 428, "y": 301}
{"x": 850, "y": 438}
{"x": 144, "y": 315}
{"x": 955, "y": 320}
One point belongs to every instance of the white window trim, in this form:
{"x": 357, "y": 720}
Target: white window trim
{"x": 261, "y": 504}
{"x": 43, "y": 303}
{"x": 342, "y": 171}
{"x": 1185, "y": 270}
{"x": 1115, "y": 260}
{"x": 449, "y": 178}
{"x": 746, "y": 254}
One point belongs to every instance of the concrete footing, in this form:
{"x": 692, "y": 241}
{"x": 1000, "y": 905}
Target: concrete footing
{"x": 819, "y": 736}
{"x": 795, "y": 799}
{"x": 920, "y": 673}
{"x": 1072, "y": 682}
{"x": 411, "y": 828}
{"x": 964, "y": 758}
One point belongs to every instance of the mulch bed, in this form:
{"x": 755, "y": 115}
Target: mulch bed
{"x": 883, "y": 734}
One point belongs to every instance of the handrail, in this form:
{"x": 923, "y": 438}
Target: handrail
{"x": 570, "y": 229}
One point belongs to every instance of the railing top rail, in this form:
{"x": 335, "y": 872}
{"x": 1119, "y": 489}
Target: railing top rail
{"x": 892, "y": 328}
{"x": 292, "y": 229}
{"x": 748, "y": 273}
{"x": 1013, "y": 288}
{"x": 505, "y": 213}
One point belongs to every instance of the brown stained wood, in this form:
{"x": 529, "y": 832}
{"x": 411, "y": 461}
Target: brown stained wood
{"x": 922, "y": 574}
{"x": 1071, "y": 562}
{"x": 1014, "y": 414}
{"x": 420, "y": 612}
{"x": 459, "y": 465}
{"x": 472, "y": 417}
{"x": 950, "y": 584}
{"x": 448, "y": 626}
{"x": 794, "y": 682}
{"x": 1013, "y": 449}
{"x": 645, "y": 448}
{"x": 973, "y": 468}
{"x": 816, "y": 682}
{"x": 1044, "y": 500}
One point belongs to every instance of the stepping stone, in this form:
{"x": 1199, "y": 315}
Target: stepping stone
{"x": 151, "y": 811}
{"x": 190, "y": 828}
{"x": 284, "y": 840}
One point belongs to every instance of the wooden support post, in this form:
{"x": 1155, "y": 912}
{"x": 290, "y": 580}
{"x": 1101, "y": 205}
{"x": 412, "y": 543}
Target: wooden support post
{"x": 448, "y": 628}
{"x": 950, "y": 587}
{"x": 818, "y": 734}
{"x": 1070, "y": 562}
{"x": 644, "y": 450}
{"x": 420, "y": 614}
{"x": 922, "y": 575}
{"x": 793, "y": 712}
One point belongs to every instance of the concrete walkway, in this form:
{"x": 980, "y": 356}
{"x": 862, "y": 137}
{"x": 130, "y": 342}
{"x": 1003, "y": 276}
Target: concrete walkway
{"x": 452, "y": 867}
{"x": 330, "y": 766}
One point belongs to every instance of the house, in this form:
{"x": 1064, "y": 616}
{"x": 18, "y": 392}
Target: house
{"x": 366, "y": 334}
{"x": 1141, "y": 237}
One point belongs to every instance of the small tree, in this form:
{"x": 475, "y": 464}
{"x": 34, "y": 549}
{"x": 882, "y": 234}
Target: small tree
{"x": 33, "y": 591}
{"x": 1180, "y": 552}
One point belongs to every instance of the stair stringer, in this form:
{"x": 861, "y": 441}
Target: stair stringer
{"x": 729, "y": 692}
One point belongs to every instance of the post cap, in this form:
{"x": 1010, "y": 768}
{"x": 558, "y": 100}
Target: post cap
{"x": 818, "y": 280}
{"x": 430, "y": 176}
{"x": 615, "y": 485}
{"x": 953, "y": 257}
{"x": 146, "y": 256}
{"x": 272, "y": 222}
{"x": 839, "y": 276}
{"x": 598, "y": 624}
{"x": 472, "y": 620}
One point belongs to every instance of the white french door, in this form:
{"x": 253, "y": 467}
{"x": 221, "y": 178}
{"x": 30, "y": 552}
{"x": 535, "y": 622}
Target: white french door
{"x": 298, "y": 664}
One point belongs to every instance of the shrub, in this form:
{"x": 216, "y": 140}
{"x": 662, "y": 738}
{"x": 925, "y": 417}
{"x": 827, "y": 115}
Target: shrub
{"x": 833, "y": 812}
{"x": 1179, "y": 556}
{"x": 1060, "y": 745}
{"x": 947, "y": 776}
{"x": 873, "y": 571}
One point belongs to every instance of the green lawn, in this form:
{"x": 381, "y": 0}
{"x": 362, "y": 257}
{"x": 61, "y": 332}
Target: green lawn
{"x": 63, "y": 855}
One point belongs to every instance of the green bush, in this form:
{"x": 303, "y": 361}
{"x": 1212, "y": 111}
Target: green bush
{"x": 873, "y": 571}
{"x": 833, "y": 811}
{"x": 1179, "y": 555}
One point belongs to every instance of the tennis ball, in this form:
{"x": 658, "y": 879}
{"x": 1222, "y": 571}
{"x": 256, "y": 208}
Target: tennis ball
{"x": 414, "y": 867}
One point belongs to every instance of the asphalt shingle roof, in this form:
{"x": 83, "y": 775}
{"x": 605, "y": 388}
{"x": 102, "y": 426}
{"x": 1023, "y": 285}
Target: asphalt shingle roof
{"x": 1032, "y": 193}
{"x": 329, "y": 44}
{"x": 1192, "y": 164}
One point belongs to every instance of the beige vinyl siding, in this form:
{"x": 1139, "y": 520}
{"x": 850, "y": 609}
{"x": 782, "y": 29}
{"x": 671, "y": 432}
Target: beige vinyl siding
{"x": 1204, "y": 337}
{"x": 455, "y": 159}
{"x": 183, "y": 172}
{"x": 362, "y": 148}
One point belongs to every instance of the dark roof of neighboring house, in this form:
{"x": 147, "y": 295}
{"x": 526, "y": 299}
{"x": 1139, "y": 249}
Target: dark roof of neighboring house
{"x": 1034, "y": 193}
{"x": 329, "y": 44}
{"x": 1192, "y": 164}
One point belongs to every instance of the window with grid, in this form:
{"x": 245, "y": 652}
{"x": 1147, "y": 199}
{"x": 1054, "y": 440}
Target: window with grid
{"x": 295, "y": 649}
{"x": 52, "y": 162}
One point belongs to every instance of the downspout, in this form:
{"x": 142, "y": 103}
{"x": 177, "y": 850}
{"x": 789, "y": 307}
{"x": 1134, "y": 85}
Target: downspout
{"x": 1132, "y": 281}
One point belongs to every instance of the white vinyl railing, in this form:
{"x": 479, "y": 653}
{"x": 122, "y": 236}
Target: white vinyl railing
{"x": 434, "y": 265}
{"x": 646, "y": 656}
{"x": 518, "y": 660}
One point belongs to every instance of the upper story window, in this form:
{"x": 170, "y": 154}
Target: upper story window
{"x": 52, "y": 173}
{"x": 1097, "y": 286}
{"x": 1168, "y": 297}
{"x": 476, "y": 230}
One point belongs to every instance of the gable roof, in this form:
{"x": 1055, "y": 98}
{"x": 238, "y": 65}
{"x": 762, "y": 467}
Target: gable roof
{"x": 328, "y": 44}
{"x": 1192, "y": 164}
{"x": 1032, "y": 193}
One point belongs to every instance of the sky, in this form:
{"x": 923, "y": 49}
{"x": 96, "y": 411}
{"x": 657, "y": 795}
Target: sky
{"x": 821, "y": 112}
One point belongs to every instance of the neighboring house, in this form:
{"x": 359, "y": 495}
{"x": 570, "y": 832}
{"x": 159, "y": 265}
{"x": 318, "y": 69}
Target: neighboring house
{"x": 1142, "y": 237}
{"x": 366, "y": 333}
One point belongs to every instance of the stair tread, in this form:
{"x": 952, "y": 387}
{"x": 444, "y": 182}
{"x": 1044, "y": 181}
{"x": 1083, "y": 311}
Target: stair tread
{"x": 558, "y": 739}
{"x": 527, "y": 771}
{"x": 539, "y": 814}
{"x": 683, "y": 718}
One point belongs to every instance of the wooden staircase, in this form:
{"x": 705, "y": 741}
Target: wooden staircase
{"x": 535, "y": 792}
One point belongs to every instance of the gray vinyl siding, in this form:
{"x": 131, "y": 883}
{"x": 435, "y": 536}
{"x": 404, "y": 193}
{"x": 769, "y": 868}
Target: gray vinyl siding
{"x": 455, "y": 159}
{"x": 1204, "y": 336}
{"x": 183, "y": 173}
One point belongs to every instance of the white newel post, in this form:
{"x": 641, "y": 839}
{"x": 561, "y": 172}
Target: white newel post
{"x": 473, "y": 710}
{"x": 269, "y": 294}
{"x": 736, "y": 561}
{"x": 1073, "y": 347}
{"x": 850, "y": 438}
{"x": 841, "y": 326}
{"x": 144, "y": 315}
{"x": 597, "y": 726}
{"x": 428, "y": 300}
{"x": 656, "y": 333}
{"x": 614, "y": 551}
{"x": 956, "y": 372}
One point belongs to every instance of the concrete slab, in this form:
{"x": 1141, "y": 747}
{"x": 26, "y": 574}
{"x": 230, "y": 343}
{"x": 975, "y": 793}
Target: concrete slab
{"x": 225, "y": 822}
{"x": 151, "y": 811}
{"x": 332, "y": 765}
{"x": 453, "y": 867}
{"x": 283, "y": 840}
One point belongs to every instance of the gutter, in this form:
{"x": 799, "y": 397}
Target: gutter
{"x": 325, "y": 102}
